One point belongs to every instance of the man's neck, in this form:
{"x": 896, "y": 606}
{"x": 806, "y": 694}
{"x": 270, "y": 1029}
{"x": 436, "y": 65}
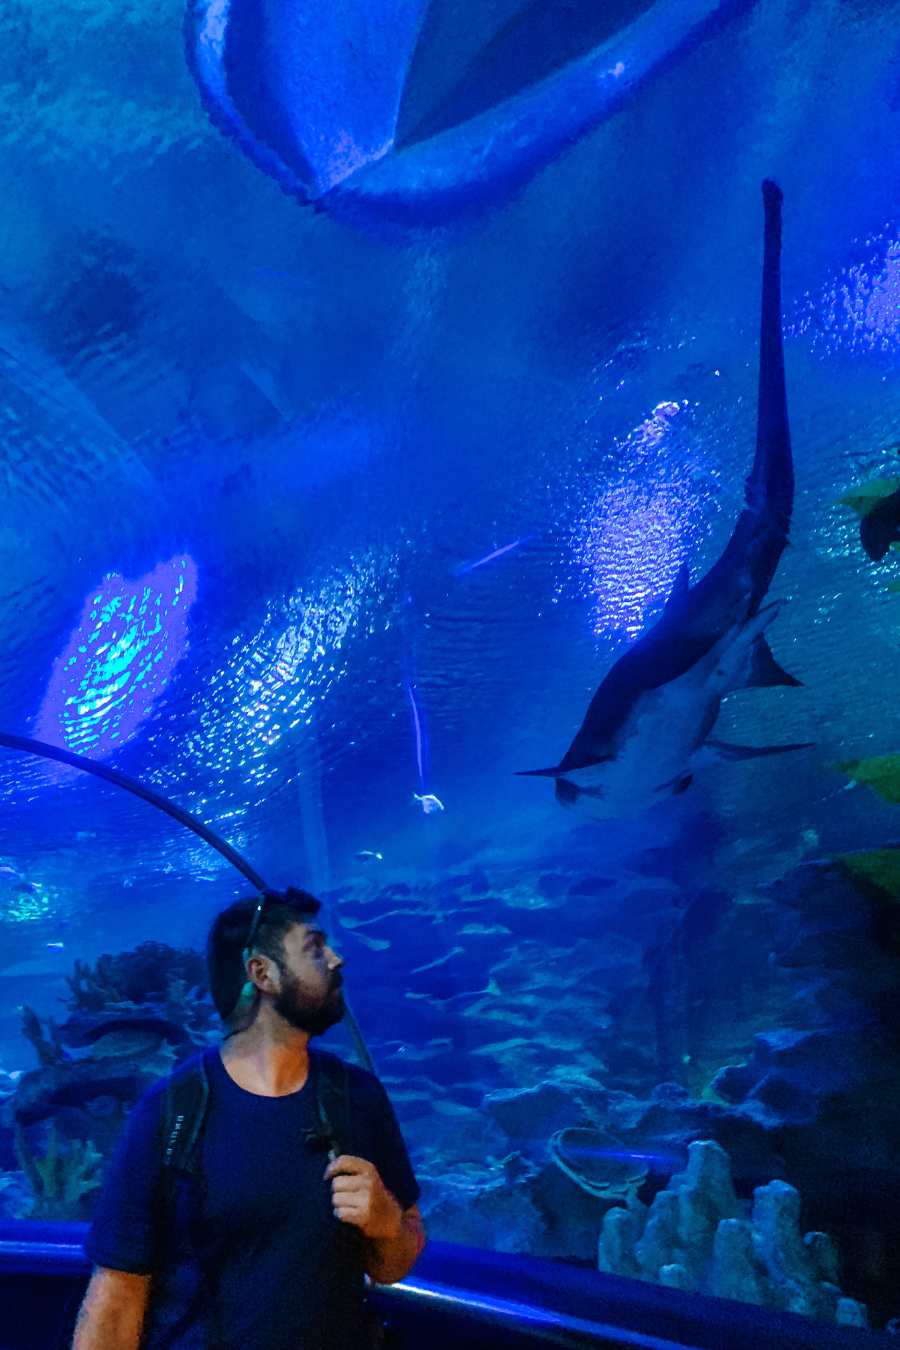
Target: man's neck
{"x": 267, "y": 1060}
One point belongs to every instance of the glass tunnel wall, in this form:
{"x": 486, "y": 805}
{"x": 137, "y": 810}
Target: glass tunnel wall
{"x": 332, "y": 490}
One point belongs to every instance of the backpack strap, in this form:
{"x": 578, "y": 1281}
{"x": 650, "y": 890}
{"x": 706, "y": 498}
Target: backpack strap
{"x": 184, "y": 1111}
{"x": 187, "y": 1101}
{"x": 185, "y": 1105}
{"x": 332, "y": 1095}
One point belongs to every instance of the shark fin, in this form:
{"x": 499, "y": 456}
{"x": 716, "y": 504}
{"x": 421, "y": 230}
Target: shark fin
{"x": 765, "y": 672}
{"x": 680, "y": 588}
{"x": 680, "y": 783}
{"x": 722, "y": 750}
{"x": 539, "y": 773}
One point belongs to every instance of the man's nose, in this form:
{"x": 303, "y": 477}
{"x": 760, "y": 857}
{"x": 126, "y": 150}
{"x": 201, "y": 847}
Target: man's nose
{"x": 334, "y": 959}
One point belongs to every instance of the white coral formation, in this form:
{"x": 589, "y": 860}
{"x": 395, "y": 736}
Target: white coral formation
{"x": 698, "y": 1235}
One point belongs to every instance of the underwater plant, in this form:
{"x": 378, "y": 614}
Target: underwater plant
{"x": 62, "y": 1177}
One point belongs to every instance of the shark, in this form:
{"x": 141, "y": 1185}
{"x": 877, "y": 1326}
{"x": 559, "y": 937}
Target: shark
{"x": 648, "y": 727}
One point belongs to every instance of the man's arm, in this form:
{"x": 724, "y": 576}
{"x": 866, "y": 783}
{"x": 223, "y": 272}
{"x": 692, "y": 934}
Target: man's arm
{"x": 390, "y": 1258}
{"x": 112, "y": 1313}
{"x": 394, "y": 1236}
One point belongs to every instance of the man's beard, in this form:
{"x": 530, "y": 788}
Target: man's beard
{"x": 301, "y": 1012}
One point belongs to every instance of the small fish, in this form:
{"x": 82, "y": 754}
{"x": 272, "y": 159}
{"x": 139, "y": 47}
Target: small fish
{"x": 428, "y": 802}
{"x": 466, "y": 567}
{"x": 55, "y": 946}
{"x": 369, "y": 855}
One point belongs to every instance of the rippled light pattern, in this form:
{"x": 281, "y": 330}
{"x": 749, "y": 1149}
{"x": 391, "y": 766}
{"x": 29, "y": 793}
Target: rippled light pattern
{"x": 632, "y": 541}
{"x": 859, "y": 310}
{"x": 21, "y": 900}
{"x": 277, "y": 677}
{"x": 119, "y": 659}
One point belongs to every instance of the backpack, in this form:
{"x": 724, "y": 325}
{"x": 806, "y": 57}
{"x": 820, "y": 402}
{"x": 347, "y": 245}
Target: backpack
{"x": 187, "y": 1099}
{"x": 184, "y": 1111}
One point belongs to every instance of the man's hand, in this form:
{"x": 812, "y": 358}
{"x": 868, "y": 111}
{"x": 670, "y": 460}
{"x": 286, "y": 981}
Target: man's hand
{"x": 360, "y": 1197}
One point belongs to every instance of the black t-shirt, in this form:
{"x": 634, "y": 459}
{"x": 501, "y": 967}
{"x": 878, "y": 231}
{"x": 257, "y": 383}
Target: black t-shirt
{"x": 258, "y": 1237}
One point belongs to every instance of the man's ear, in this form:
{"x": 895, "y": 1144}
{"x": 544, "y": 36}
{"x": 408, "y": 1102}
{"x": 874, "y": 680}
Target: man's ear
{"x": 261, "y": 971}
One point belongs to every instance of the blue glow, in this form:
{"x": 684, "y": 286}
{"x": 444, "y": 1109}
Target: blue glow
{"x": 119, "y": 659}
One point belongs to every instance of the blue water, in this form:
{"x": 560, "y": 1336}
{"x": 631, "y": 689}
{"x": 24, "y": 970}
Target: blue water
{"x": 307, "y": 518}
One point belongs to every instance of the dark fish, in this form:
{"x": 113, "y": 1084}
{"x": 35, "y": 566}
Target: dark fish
{"x": 880, "y": 527}
{"x": 648, "y": 726}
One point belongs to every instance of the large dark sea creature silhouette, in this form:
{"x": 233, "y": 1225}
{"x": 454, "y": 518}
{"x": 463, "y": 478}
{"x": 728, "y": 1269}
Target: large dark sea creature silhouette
{"x": 648, "y": 726}
{"x": 877, "y": 504}
{"x": 414, "y": 110}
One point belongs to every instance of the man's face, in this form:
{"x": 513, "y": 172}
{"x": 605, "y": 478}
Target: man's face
{"x": 310, "y": 997}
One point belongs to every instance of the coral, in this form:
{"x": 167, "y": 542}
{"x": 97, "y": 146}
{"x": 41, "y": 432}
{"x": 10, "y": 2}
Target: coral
{"x": 528, "y": 1116}
{"x": 48, "y": 1092}
{"x": 484, "y": 1205}
{"x": 791, "y": 1072}
{"x": 143, "y": 975}
{"x": 62, "y": 1177}
{"x": 46, "y": 1043}
{"x": 15, "y": 1195}
{"x": 133, "y": 1016}
{"x": 698, "y": 1235}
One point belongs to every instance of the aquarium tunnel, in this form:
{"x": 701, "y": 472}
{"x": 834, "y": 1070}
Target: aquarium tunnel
{"x": 450, "y": 468}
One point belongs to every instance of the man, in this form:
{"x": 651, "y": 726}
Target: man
{"x": 267, "y": 1247}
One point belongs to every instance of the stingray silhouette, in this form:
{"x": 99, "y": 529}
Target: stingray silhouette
{"x": 358, "y": 107}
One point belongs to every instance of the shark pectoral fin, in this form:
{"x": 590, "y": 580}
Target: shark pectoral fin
{"x": 679, "y": 591}
{"x": 539, "y": 773}
{"x": 723, "y": 751}
{"x": 765, "y": 672}
{"x": 680, "y": 783}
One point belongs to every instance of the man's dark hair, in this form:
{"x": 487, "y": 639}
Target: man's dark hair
{"x": 228, "y": 938}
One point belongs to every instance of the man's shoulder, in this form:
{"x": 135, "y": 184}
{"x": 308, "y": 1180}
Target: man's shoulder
{"x": 152, "y": 1101}
{"x": 197, "y": 1063}
{"x": 359, "y": 1081}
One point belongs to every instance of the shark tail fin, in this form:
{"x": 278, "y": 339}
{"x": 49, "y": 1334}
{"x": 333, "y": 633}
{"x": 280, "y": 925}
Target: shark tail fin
{"x": 765, "y": 672}
{"x": 723, "y": 750}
